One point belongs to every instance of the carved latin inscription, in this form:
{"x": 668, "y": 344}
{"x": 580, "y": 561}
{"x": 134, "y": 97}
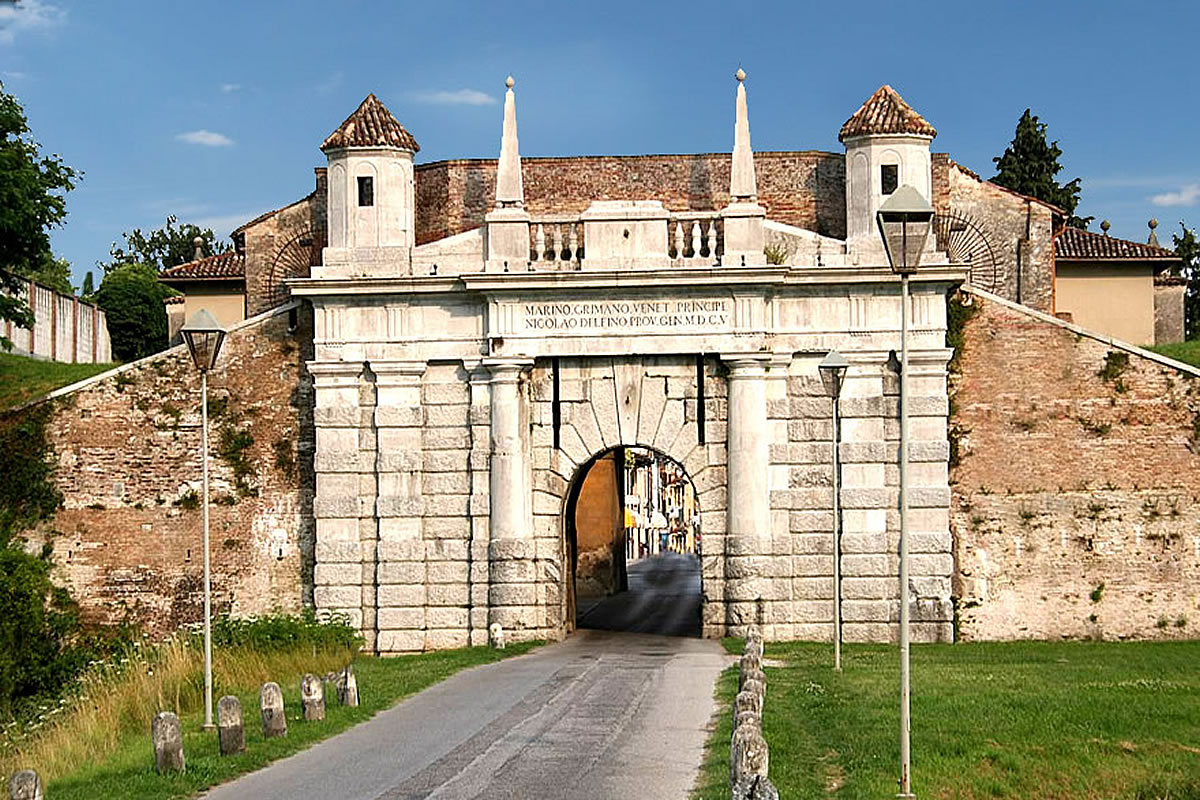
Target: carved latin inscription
{"x": 625, "y": 315}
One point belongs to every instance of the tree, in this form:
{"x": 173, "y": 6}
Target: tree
{"x": 1029, "y": 166}
{"x": 32, "y": 200}
{"x": 169, "y": 246}
{"x": 1188, "y": 250}
{"x": 132, "y": 299}
{"x": 89, "y": 285}
{"x": 54, "y": 273}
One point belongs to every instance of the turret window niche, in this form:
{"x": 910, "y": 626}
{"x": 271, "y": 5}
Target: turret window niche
{"x": 366, "y": 191}
{"x": 889, "y": 178}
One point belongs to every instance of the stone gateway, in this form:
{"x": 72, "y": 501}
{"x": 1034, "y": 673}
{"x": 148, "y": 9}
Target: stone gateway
{"x": 462, "y": 386}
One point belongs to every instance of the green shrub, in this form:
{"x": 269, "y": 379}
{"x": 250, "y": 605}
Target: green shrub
{"x": 285, "y": 630}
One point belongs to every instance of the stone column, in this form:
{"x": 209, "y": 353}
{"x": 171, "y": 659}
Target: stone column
{"x": 337, "y": 575}
{"x": 512, "y": 592}
{"x": 481, "y": 452}
{"x": 400, "y": 565}
{"x": 748, "y": 509}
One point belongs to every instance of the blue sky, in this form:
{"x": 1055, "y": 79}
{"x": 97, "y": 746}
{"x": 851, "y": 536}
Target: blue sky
{"x": 215, "y": 111}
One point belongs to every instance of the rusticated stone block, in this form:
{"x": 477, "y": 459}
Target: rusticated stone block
{"x": 25, "y": 785}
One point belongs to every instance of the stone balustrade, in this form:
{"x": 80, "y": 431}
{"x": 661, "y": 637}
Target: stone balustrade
{"x": 555, "y": 242}
{"x": 695, "y": 238}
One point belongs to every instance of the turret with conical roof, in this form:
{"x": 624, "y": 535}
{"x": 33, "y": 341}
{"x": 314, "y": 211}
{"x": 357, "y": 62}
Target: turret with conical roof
{"x": 887, "y": 146}
{"x": 370, "y": 191}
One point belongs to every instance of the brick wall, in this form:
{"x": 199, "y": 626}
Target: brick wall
{"x": 128, "y": 541}
{"x": 1020, "y": 232}
{"x": 284, "y": 245}
{"x": 1075, "y": 501}
{"x": 805, "y": 188}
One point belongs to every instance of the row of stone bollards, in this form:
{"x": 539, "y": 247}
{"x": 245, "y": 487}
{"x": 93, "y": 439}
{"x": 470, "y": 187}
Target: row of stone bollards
{"x": 167, "y": 735}
{"x": 749, "y": 755}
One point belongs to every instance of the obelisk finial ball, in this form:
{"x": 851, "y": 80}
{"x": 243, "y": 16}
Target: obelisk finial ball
{"x": 740, "y": 75}
{"x": 509, "y": 81}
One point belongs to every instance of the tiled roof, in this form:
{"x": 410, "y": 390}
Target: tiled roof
{"x": 372, "y": 125}
{"x": 1075, "y": 244}
{"x": 223, "y": 266}
{"x": 885, "y": 112}
{"x": 175, "y": 299}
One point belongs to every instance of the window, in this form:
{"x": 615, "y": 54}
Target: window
{"x": 889, "y": 177}
{"x": 366, "y": 191}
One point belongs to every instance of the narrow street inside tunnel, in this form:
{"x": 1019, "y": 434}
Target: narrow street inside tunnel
{"x": 663, "y": 597}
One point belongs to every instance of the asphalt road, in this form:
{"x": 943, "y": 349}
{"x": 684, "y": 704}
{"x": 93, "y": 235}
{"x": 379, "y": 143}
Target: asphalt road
{"x": 602, "y": 715}
{"x": 663, "y": 597}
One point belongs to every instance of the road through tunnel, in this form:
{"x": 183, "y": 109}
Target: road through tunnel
{"x": 633, "y": 535}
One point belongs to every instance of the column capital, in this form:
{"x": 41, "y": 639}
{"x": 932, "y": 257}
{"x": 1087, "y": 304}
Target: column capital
{"x": 747, "y": 365}
{"x": 397, "y": 372}
{"x": 506, "y": 370}
{"x": 334, "y": 373}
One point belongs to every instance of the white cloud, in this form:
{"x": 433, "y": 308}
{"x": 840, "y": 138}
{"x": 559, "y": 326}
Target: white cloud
{"x": 460, "y": 97}
{"x": 227, "y": 88}
{"x": 25, "y": 15}
{"x": 13, "y": 75}
{"x": 205, "y": 138}
{"x": 1187, "y": 195}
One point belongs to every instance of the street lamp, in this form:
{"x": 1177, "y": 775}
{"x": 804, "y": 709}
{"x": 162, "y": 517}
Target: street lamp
{"x": 904, "y": 221}
{"x": 204, "y": 336}
{"x": 833, "y": 370}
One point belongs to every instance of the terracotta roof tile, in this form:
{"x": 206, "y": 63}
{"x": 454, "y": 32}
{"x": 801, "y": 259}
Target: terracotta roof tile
{"x": 1075, "y": 244}
{"x": 885, "y": 112}
{"x": 173, "y": 300}
{"x": 223, "y": 266}
{"x": 371, "y": 125}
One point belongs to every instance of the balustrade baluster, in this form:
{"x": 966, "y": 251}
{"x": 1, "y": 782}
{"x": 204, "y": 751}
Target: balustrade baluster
{"x": 712, "y": 238}
{"x": 541, "y": 242}
{"x": 679, "y": 248}
{"x": 573, "y": 255}
{"x": 558, "y": 241}
{"x": 695, "y": 238}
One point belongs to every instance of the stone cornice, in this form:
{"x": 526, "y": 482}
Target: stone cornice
{"x": 714, "y": 277}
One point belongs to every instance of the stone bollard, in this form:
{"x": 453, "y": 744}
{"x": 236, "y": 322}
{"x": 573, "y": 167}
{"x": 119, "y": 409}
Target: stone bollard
{"x": 25, "y": 785}
{"x": 744, "y": 702}
{"x": 167, "y": 737}
{"x": 751, "y": 674}
{"x": 748, "y": 717}
{"x": 348, "y": 688}
{"x": 312, "y": 698}
{"x": 496, "y": 636}
{"x": 755, "y": 787}
{"x": 754, "y": 648}
{"x": 270, "y": 701}
{"x": 231, "y": 733}
{"x": 748, "y": 754}
{"x": 754, "y": 685}
{"x": 754, "y": 634}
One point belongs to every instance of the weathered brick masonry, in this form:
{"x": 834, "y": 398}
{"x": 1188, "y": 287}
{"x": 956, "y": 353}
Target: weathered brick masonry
{"x": 1076, "y": 498}
{"x": 128, "y": 539}
{"x": 803, "y": 188}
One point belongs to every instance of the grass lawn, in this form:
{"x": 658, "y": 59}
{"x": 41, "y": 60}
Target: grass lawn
{"x": 1187, "y": 352}
{"x": 23, "y": 379}
{"x": 382, "y": 682}
{"x": 1062, "y": 720}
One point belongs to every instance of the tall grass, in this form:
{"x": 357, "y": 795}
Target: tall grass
{"x": 116, "y": 698}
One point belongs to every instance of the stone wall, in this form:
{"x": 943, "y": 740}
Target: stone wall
{"x": 128, "y": 540}
{"x": 1169, "y": 294}
{"x": 1075, "y": 490}
{"x": 804, "y": 188}
{"x": 64, "y": 328}
{"x": 1020, "y": 232}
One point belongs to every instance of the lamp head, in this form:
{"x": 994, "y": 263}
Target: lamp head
{"x": 833, "y": 369}
{"x": 904, "y": 221}
{"x": 204, "y": 336}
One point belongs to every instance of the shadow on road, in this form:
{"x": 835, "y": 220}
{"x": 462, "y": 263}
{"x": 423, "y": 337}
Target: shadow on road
{"x": 663, "y": 598}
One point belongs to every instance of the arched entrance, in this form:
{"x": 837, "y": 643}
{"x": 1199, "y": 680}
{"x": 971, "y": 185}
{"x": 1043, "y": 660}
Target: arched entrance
{"x": 632, "y": 525}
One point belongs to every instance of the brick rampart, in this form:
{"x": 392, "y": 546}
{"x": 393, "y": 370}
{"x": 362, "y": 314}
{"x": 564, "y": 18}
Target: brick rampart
{"x": 1075, "y": 510}
{"x": 128, "y": 539}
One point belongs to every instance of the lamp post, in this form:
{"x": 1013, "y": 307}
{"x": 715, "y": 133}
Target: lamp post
{"x": 904, "y": 221}
{"x": 833, "y": 370}
{"x": 204, "y": 336}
